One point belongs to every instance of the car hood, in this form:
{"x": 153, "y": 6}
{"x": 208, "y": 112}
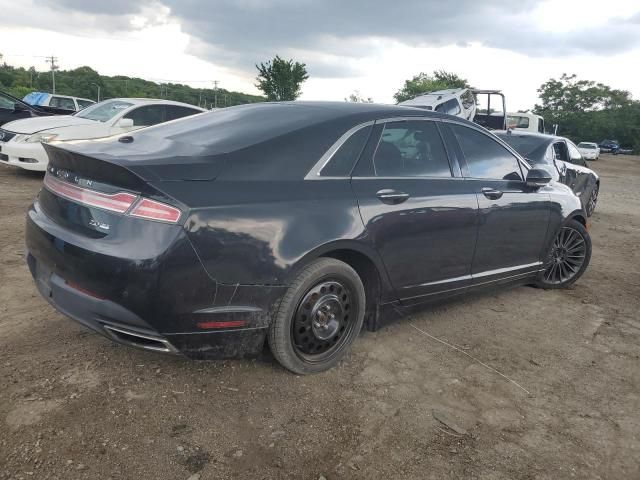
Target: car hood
{"x": 39, "y": 124}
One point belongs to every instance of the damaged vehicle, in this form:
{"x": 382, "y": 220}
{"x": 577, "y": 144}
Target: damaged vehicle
{"x": 560, "y": 156}
{"x": 293, "y": 225}
{"x": 484, "y": 107}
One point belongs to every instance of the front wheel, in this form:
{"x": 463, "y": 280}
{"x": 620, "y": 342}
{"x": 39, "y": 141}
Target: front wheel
{"x": 319, "y": 317}
{"x": 568, "y": 257}
{"x": 590, "y": 207}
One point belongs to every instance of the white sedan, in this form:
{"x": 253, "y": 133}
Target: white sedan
{"x": 21, "y": 140}
{"x": 589, "y": 150}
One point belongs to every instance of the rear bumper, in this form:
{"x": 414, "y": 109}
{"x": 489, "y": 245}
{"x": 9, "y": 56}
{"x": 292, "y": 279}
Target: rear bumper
{"x": 167, "y": 303}
{"x": 29, "y": 156}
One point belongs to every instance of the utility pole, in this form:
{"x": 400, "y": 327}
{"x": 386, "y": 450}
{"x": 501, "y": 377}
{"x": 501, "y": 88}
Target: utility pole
{"x": 215, "y": 93}
{"x": 52, "y": 60}
{"x": 96, "y": 85}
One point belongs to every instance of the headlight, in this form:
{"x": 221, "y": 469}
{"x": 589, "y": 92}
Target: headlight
{"x": 40, "y": 137}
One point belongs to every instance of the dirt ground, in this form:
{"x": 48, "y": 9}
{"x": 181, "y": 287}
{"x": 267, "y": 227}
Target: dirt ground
{"x": 402, "y": 405}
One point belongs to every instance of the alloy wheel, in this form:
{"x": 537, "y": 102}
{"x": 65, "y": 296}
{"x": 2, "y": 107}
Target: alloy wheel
{"x": 593, "y": 199}
{"x": 567, "y": 256}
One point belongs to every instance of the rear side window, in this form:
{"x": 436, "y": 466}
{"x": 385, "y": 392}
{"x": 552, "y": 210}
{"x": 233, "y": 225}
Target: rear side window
{"x": 62, "y": 102}
{"x": 345, "y": 157}
{"x": 176, "y": 111}
{"x": 411, "y": 149}
{"x": 147, "y": 115}
{"x": 485, "y": 157}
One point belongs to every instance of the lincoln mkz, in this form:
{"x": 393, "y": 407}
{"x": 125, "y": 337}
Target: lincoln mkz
{"x": 293, "y": 225}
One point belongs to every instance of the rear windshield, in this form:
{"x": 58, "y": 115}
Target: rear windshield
{"x": 588, "y": 146}
{"x": 233, "y": 128}
{"x": 525, "y": 145}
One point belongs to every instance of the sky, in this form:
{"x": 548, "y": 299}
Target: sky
{"x": 369, "y": 46}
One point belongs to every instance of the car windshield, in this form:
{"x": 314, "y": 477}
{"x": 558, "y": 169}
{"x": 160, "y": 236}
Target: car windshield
{"x": 103, "y": 111}
{"x": 589, "y": 146}
{"x": 523, "y": 144}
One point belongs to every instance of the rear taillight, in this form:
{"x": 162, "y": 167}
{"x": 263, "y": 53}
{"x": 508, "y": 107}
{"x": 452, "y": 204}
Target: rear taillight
{"x": 115, "y": 202}
{"x": 120, "y": 202}
{"x": 152, "y": 210}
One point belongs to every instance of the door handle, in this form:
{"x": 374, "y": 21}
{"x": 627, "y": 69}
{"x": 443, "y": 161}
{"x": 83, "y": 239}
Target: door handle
{"x": 392, "y": 197}
{"x": 491, "y": 193}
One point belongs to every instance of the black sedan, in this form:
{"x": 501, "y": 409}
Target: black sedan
{"x": 293, "y": 224}
{"x": 561, "y": 157}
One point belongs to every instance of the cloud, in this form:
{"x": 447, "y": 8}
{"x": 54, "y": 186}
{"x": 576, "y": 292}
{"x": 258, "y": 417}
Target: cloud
{"x": 333, "y": 36}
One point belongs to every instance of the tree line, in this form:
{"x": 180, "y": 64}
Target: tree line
{"x": 583, "y": 110}
{"x": 84, "y": 82}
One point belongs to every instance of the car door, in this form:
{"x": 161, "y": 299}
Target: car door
{"x": 419, "y": 214}
{"x": 512, "y": 217}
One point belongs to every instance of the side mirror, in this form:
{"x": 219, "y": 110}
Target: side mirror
{"x": 124, "y": 123}
{"x": 538, "y": 177}
{"x": 18, "y": 107}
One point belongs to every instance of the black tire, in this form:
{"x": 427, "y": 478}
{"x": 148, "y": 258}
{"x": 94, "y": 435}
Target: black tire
{"x": 562, "y": 268}
{"x": 334, "y": 306}
{"x": 592, "y": 201}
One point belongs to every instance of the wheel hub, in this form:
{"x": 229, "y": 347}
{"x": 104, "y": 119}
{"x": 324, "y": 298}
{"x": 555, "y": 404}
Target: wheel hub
{"x": 326, "y": 315}
{"x": 322, "y": 318}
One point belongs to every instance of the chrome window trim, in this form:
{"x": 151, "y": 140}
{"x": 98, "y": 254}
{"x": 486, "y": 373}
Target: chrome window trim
{"x": 314, "y": 173}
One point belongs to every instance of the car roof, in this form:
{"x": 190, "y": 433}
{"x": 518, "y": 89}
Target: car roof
{"x": 160, "y": 101}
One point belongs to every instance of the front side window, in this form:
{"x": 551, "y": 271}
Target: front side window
{"x": 574, "y": 155}
{"x": 147, "y": 115}
{"x": 345, "y": 157}
{"x": 411, "y": 148}
{"x": 485, "y": 157}
{"x": 560, "y": 151}
{"x": 62, "y": 102}
{"x": 104, "y": 111}
{"x": 84, "y": 103}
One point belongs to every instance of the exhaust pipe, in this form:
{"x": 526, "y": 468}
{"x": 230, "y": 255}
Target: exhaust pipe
{"x": 139, "y": 340}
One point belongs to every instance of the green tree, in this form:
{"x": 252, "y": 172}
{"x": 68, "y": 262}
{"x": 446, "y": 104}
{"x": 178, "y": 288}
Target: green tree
{"x": 425, "y": 83}
{"x": 82, "y": 81}
{"x": 588, "y": 111}
{"x": 280, "y": 79}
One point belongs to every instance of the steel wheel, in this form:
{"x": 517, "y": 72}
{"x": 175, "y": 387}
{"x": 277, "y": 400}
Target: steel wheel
{"x": 323, "y": 320}
{"x": 566, "y": 258}
{"x": 593, "y": 199}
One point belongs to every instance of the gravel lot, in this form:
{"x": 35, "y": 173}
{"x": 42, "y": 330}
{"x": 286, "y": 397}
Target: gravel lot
{"x": 402, "y": 405}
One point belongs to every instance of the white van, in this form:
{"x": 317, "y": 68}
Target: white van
{"x": 528, "y": 122}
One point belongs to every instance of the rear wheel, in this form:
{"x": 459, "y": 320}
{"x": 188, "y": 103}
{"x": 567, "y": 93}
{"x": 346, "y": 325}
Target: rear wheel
{"x": 590, "y": 207}
{"x": 568, "y": 257}
{"x": 319, "y": 317}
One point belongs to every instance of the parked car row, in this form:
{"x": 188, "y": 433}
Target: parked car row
{"x": 294, "y": 224}
{"x": 21, "y": 141}
{"x": 63, "y": 102}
